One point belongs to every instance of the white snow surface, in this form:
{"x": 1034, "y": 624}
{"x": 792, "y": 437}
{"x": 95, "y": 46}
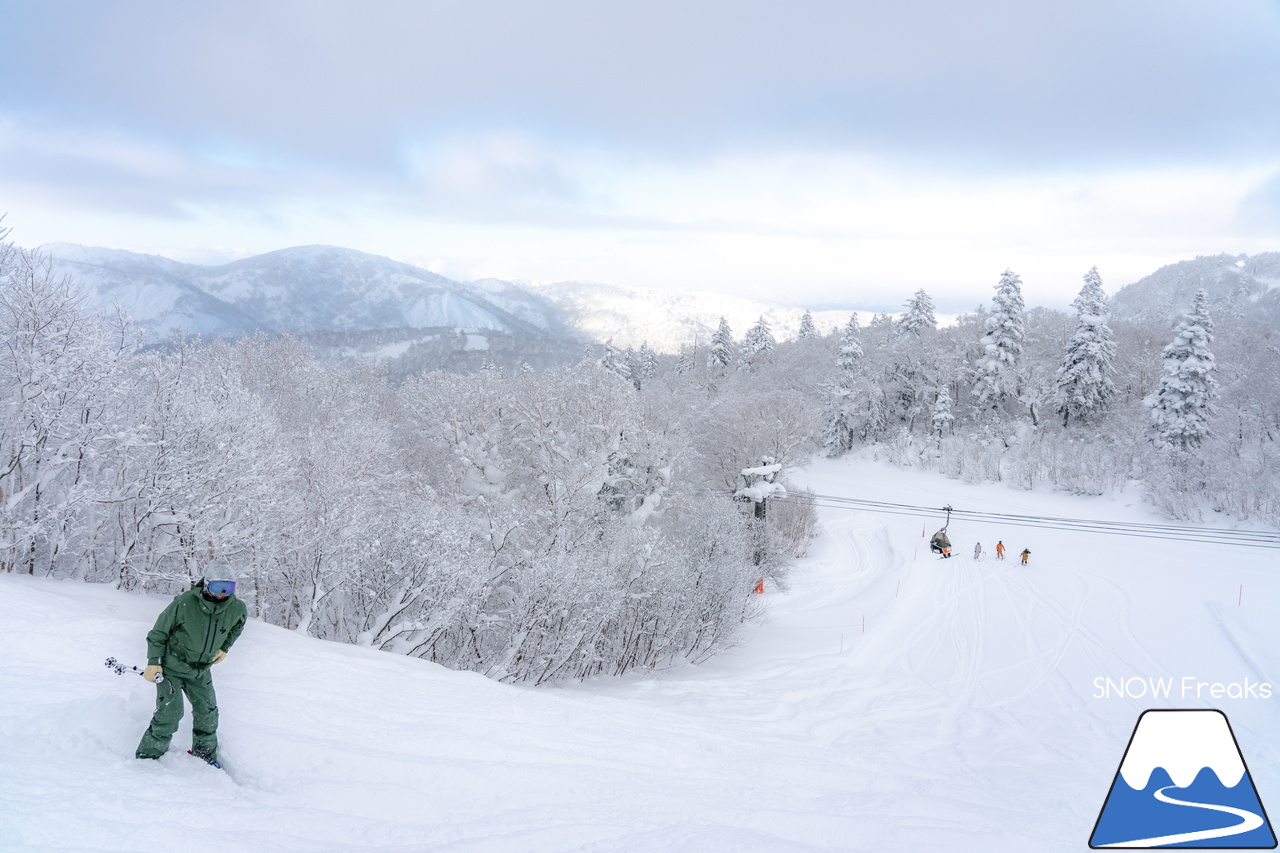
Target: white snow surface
{"x": 888, "y": 700}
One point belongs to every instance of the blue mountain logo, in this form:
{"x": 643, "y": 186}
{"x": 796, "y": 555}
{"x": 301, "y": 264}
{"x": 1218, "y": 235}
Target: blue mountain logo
{"x": 1183, "y": 783}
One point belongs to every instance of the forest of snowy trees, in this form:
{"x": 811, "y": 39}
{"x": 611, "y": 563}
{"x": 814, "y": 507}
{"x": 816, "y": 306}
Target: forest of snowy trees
{"x": 539, "y": 526}
{"x": 546, "y": 524}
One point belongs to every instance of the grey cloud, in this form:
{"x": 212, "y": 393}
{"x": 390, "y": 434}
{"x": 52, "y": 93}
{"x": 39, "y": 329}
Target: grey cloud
{"x": 986, "y": 83}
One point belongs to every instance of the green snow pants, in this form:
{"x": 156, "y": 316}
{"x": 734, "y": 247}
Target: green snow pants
{"x": 204, "y": 714}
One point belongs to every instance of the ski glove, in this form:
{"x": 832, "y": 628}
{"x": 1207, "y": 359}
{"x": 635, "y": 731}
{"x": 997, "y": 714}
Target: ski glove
{"x": 218, "y": 658}
{"x": 152, "y": 672}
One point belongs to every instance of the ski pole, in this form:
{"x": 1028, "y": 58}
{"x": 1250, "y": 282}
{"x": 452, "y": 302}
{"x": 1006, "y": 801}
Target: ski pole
{"x": 120, "y": 669}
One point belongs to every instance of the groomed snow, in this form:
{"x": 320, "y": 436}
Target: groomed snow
{"x": 961, "y": 717}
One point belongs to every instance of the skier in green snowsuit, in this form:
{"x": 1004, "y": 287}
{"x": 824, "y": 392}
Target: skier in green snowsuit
{"x": 194, "y": 632}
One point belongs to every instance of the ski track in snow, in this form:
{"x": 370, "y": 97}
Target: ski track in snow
{"x": 962, "y": 718}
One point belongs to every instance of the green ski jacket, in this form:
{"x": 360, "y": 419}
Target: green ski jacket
{"x": 192, "y": 629}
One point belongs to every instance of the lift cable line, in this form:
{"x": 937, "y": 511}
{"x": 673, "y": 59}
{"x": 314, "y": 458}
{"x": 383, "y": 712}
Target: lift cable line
{"x": 1169, "y": 532}
{"x": 1207, "y": 535}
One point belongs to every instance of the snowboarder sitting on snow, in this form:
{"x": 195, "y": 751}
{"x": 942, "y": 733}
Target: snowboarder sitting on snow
{"x": 1026, "y": 553}
{"x": 940, "y": 544}
{"x": 194, "y": 632}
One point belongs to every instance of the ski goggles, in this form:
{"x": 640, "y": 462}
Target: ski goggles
{"x": 220, "y": 587}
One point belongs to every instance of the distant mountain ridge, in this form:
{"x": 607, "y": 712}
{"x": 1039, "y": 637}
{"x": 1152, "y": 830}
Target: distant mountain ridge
{"x": 1238, "y": 285}
{"x": 327, "y": 289}
{"x": 310, "y": 289}
{"x": 300, "y": 290}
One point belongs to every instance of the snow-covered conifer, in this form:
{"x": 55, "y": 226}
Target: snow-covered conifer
{"x": 942, "y": 417}
{"x": 632, "y": 359}
{"x": 918, "y": 317}
{"x": 838, "y": 428}
{"x": 683, "y": 364}
{"x": 1084, "y": 384}
{"x": 615, "y": 360}
{"x": 998, "y": 368}
{"x": 647, "y": 362}
{"x": 807, "y": 329}
{"x": 721, "y": 351}
{"x": 757, "y": 343}
{"x": 850, "y": 349}
{"x": 1183, "y": 404}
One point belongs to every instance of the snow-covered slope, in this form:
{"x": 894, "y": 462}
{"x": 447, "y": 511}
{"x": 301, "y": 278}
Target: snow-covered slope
{"x": 304, "y": 289}
{"x": 1241, "y": 285}
{"x": 325, "y": 288}
{"x": 889, "y": 702}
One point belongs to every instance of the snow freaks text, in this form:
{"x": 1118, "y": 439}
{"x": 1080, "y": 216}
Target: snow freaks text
{"x": 1186, "y": 687}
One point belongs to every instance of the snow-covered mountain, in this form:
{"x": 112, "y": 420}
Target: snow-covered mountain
{"x": 310, "y": 289}
{"x": 330, "y": 289}
{"x": 1237, "y": 285}
{"x": 303, "y": 289}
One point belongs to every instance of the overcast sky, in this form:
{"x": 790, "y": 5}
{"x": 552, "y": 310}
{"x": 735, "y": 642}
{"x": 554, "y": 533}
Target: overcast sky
{"x": 837, "y": 154}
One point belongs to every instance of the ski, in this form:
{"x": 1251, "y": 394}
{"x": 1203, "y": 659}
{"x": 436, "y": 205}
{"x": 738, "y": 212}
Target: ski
{"x": 210, "y": 763}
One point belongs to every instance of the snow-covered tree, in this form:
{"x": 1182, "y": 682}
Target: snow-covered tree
{"x": 919, "y": 316}
{"x": 63, "y": 417}
{"x": 1084, "y": 383}
{"x": 647, "y": 363}
{"x": 999, "y": 365}
{"x": 911, "y": 354}
{"x": 807, "y": 329}
{"x": 942, "y": 418}
{"x": 721, "y": 352}
{"x": 615, "y": 361}
{"x": 1183, "y": 405}
{"x": 880, "y": 331}
{"x": 850, "y": 350}
{"x": 838, "y": 427}
{"x": 758, "y": 343}
{"x": 683, "y": 364}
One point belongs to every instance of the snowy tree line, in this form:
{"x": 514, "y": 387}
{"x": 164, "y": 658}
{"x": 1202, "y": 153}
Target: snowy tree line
{"x": 535, "y": 526}
{"x": 563, "y": 522}
{"x": 1038, "y": 396}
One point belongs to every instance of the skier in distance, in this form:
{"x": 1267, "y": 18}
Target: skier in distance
{"x": 1026, "y": 554}
{"x": 194, "y": 632}
{"x": 1000, "y": 550}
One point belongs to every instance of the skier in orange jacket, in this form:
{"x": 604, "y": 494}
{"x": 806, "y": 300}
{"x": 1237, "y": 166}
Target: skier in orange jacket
{"x": 1000, "y": 550}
